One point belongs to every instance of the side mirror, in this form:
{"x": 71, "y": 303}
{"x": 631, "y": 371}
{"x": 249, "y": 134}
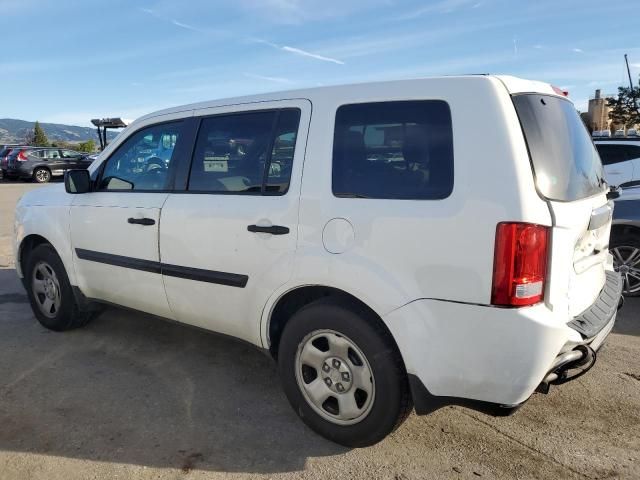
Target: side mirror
{"x": 77, "y": 181}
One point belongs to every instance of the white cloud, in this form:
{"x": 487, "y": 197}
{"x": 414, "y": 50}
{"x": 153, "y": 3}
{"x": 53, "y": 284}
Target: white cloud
{"x": 268, "y": 79}
{"x": 577, "y": 50}
{"x": 184, "y": 25}
{"x": 443, "y": 6}
{"x": 173, "y": 21}
{"x": 304, "y": 53}
{"x": 294, "y": 12}
{"x": 298, "y": 51}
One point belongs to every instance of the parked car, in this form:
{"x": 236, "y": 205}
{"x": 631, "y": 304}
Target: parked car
{"x": 41, "y": 164}
{"x": 625, "y": 240}
{"x": 4, "y": 155}
{"x": 621, "y": 160}
{"x": 398, "y": 270}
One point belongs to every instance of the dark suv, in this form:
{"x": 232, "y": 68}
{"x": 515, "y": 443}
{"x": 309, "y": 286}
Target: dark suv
{"x": 40, "y": 163}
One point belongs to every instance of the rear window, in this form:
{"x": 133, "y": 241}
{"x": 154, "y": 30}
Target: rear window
{"x": 393, "y": 150}
{"x": 565, "y": 162}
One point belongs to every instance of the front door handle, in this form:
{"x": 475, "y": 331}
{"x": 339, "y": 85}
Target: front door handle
{"x": 142, "y": 221}
{"x": 273, "y": 230}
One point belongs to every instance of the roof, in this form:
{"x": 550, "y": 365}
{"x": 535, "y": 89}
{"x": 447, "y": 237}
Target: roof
{"x": 513, "y": 85}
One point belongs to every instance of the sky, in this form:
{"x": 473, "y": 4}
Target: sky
{"x": 67, "y": 61}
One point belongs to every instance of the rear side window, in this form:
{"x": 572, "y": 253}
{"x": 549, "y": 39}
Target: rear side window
{"x": 393, "y": 150}
{"x": 245, "y": 153}
{"x": 566, "y": 164}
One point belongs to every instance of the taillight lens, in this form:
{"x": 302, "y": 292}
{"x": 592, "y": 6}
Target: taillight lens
{"x": 21, "y": 157}
{"x": 519, "y": 264}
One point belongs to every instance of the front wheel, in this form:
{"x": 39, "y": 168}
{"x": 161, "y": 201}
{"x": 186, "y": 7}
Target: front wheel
{"x": 50, "y": 293}
{"x": 42, "y": 175}
{"x": 342, "y": 373}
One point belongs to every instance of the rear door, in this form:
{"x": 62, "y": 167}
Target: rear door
{"x": 114, "y": 229}
{"x": 228, "y": 241}
{"x": 569, "y": 175}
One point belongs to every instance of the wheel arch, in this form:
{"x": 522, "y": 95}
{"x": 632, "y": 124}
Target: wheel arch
{"x": 291, "y": 301}
{"x": 26, "y": 246}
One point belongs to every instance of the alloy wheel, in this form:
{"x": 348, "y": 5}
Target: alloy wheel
{"x": 626, "y": 261}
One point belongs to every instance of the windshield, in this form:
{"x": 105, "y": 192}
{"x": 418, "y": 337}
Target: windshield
{"x": 565, "y": 162}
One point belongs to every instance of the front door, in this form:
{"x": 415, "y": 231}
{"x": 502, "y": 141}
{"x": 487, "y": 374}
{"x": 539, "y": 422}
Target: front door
{"x": 114, "y": 230}
{"x": 228, "y": 242}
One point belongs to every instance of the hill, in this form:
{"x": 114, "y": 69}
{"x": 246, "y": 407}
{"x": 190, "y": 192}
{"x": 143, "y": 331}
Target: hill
{"x": 14, "y": 131}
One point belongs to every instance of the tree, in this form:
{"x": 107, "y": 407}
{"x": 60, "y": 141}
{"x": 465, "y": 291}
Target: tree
{"x": 88, "y": 146}
{"x": 28, "y": 137}
{"x": 37, "y": 137}
{"x": 624, "y": 108}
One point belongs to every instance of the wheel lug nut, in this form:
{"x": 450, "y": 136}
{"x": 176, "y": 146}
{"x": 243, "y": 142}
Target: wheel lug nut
{"x": 345, "y": 376}
{"x": 336, "y": 363}
{"x": 326, "y": 367}
{"x": 327, "y": 381}
{"x": 339, "y": 387}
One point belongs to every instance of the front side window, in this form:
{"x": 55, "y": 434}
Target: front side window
{"x": 69, "y": 154}
{"x": 393, "y": 150}
{"x": 245, "y": 153}
{"x": 143, "y": 161}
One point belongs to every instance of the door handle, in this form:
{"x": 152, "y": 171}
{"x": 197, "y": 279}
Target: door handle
{"x": 273, "y": 230}
{"x": 142, "y": 221}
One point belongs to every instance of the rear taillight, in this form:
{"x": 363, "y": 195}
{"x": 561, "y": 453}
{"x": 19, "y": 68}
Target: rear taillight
{"x": 519, "y": 264}
{"x": 21, "y": 157}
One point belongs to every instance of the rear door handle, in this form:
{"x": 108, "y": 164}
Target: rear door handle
{"x": 273, "y": 230}
{"x": 142, "y": 221}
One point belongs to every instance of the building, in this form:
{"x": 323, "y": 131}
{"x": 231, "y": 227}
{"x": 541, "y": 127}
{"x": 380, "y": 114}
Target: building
{"x": 599, "y": 112}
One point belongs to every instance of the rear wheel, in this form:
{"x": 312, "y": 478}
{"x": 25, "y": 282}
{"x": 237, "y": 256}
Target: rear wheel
{"x": 50, "y": 293}
{"x": 342, "y": 373}
{"x": 626, "y": 260}
{"x": 42, "y": 175}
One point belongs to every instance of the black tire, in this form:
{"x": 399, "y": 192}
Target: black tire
{"x": 68, "y": 316}
{"x": 41, "y": 175}
{"x": 392, "y": 400}
{"x": 625, "y": 243}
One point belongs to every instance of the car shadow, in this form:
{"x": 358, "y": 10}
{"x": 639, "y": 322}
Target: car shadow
{"x": 131, "y": 388}
{"x": 628, "y": 319}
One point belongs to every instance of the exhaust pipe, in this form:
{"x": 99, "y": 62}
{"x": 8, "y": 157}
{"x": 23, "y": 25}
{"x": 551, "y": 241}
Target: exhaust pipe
{"x": 568, "y": 366}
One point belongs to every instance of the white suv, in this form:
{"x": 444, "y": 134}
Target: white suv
{"x": 621, "y": 160}
{"x": 415, "y": 243}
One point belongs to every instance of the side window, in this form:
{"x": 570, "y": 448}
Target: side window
{"x": 610, "y": 154}
{"x": 393, "y": 150}
{"x": 245, "y": 153}
{"x": 143, "y": 161}
{"x": 69, "y": 154}
{"x": 633, "y": 152}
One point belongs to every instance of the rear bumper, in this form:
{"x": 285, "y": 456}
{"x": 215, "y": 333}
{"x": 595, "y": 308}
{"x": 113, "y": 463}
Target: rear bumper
{"x": 490, "y": 359}
{"x": 19, "y": 170}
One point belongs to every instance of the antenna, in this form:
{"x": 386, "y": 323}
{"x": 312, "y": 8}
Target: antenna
{"x": 626, "y": 60}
